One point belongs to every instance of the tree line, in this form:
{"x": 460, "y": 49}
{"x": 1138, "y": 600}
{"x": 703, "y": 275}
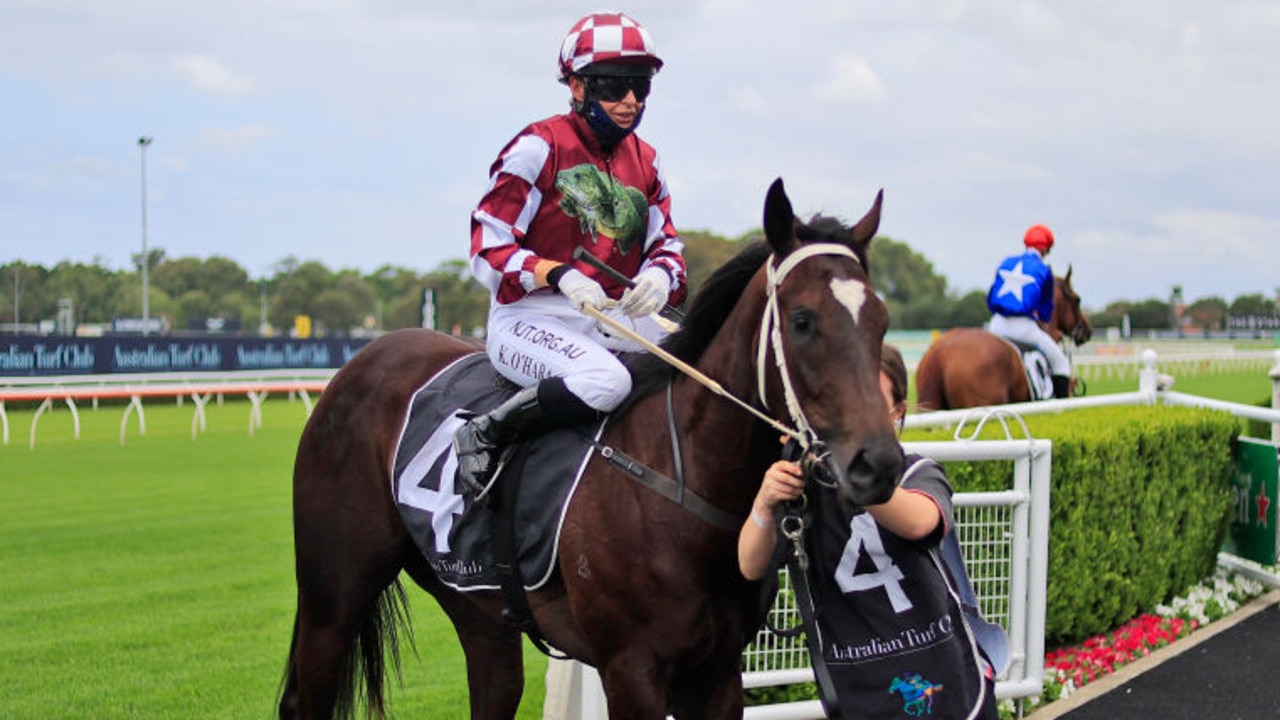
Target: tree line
{"x": 189, "y": 290}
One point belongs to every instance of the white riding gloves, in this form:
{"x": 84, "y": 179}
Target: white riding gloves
{"x": 652, "y": 287}
{"x": 581, "y": 290}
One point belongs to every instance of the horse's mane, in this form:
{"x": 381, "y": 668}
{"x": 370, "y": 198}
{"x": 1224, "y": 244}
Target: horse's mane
{"x": 710, "y": 307}
{"x": 713, "y": 304}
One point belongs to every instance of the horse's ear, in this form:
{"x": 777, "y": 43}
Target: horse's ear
{"x": 865, "y": 229}
{"x": 1067, "y": 279}
{"x": 779, "y": 220}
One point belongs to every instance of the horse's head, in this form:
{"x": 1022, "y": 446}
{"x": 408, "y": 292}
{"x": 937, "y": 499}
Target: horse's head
{"x": 1068, "y": 318}
{"x": 823, "y": 329}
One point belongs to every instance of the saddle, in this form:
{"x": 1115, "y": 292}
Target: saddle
{"x": 1036, "y": 367}
{"x": 456, "y": 535}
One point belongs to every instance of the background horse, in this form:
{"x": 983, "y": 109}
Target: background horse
{"x": 646, "y": 591}
{"x": 970, "y": 367}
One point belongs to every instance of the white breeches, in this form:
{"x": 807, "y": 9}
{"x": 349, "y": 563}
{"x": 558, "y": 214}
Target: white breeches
{"x": 541, "y": 337}
{"x": 1026, "y": 330}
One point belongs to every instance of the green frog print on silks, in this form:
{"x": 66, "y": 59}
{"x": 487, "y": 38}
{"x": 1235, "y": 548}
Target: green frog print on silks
{"x": 603, "y": 205}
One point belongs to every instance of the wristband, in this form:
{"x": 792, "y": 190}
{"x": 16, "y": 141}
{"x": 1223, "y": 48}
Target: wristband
{"x": 554, "y": 275}
{"x": 759, "y": 521}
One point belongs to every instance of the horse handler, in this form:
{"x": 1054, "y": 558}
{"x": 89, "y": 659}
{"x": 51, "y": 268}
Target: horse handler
{"x": 900, "y": 633}
{"x": 581, "y": 179}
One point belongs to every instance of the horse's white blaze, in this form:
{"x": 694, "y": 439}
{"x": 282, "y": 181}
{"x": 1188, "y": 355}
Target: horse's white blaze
{"x": 852, "y": 294}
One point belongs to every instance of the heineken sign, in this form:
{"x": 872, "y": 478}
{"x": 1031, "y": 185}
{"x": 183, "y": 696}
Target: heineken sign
{"x": 1254, "y": 489}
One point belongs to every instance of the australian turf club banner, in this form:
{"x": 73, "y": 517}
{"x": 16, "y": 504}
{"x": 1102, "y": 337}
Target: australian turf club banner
{"x": 28, "y": 356}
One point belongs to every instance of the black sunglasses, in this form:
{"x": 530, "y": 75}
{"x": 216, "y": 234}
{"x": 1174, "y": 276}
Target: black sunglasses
{"x": 614, "y": 88}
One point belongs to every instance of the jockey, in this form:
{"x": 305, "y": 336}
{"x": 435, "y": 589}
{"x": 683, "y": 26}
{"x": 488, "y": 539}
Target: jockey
{"x": 1021, "y": 300}
{"x": 581, "y": 179}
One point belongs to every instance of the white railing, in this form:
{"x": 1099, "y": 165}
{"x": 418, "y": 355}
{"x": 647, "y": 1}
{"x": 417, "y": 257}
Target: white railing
{"x": 199, "y": 387}
{"x": 1149, "y": 393}
{"x": 1178, "y": 359}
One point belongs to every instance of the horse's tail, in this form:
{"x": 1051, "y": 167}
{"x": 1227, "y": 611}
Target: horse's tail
{"x": 364, "y": 671}
{"x": 377, "y": 639}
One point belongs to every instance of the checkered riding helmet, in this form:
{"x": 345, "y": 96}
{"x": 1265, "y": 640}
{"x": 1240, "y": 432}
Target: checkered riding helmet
{"x": 1038, "y": 237}
{"x": 606, "y": 37}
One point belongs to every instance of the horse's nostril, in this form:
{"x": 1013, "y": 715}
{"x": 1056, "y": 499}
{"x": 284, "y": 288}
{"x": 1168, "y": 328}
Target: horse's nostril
{"x": 872, "y": 474}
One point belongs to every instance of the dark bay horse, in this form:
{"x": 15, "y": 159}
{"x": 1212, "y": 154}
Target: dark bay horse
{"x": 646, "y": 592}
{"x": 970, "y": 367}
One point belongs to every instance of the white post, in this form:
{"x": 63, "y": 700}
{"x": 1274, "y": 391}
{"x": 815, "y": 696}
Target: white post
{"x": 1275, "y": 397}
{"x": 1148, "y": 377}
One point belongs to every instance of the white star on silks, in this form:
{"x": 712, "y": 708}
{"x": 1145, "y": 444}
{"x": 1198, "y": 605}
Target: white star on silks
{"x": 1012, "y": 281}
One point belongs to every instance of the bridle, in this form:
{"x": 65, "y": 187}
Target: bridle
{"x": 1073, "y": 300}
{"x": 771, "y": 337}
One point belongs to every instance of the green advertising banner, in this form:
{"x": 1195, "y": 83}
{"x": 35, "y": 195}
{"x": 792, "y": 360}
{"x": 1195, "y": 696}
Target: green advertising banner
{"x": 1255, "y": 534}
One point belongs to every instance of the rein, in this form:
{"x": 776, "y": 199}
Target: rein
{"x": 770, "y": 327}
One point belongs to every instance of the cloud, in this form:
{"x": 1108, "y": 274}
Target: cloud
{"x": 1141, "y": 132}
{"x": 207, "y": 75}
{"x": 1208, "y": 252}
{"x": 241, "y": 138}
{"x": 850, "y": 79}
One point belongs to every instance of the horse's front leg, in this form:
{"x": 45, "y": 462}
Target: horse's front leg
{"x": 635, "y": 685}
{"x": 714, "y": 692}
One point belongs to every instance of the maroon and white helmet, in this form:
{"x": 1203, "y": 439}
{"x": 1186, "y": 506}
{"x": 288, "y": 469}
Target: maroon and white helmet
{"x": 607, "y": 37}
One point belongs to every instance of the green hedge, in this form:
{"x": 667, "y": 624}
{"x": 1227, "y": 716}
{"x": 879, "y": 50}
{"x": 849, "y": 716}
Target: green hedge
{"x": 1139, "y": 508}
{"x": 1257, "y": 428}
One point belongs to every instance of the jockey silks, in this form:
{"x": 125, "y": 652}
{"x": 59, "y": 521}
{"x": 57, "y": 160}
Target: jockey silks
{"x": 554, "y": 188}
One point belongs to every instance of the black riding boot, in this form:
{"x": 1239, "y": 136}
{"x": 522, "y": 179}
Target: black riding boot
{"x": 480, "y": 441}
{"x": 1061, "y": 386}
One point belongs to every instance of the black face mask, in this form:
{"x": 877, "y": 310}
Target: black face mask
{"x": 609, "y": 132}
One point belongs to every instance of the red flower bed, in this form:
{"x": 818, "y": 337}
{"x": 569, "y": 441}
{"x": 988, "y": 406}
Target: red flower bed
{"x": 1102, "y": 654}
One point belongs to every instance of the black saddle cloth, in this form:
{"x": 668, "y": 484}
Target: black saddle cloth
{"x": 453, "y": 533}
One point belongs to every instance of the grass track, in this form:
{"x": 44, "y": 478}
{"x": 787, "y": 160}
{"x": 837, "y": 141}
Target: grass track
{"x": 155, "y": 579}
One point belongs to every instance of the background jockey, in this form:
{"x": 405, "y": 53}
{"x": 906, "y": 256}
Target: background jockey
{"x": 585, "y": 179}
{"x": 1021, "y": 299}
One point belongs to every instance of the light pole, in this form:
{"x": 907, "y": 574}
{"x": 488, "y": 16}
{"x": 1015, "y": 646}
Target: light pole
{"x": 143, "y": 142}
{"x": 17, "y": 278}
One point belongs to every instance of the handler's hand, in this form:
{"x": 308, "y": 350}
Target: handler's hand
{"x": 782, "y": 481}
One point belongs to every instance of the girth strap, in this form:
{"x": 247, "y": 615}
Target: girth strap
{"x": 506, "y": 563}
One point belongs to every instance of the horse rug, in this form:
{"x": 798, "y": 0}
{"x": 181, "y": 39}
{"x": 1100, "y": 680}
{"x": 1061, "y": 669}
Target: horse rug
{"x": 453, "y": 532}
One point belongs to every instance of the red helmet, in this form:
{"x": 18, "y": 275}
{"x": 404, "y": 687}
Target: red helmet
{"x": 607, "y": 37}
{"x": 1038, "y": 237}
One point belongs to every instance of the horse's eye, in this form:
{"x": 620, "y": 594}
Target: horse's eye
{"x": 803, "y": 324}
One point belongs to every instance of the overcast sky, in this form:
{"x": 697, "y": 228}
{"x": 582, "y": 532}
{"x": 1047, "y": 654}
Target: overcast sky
{"x": 360, "y": 132}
